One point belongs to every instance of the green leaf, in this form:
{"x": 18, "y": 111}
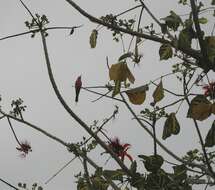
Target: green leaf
{"x": 82, "y": 185}
{"x": 157, "y": 181}
{"x": 114, "y": 174}
{"x": 213, "y": 2}
{"x": 133, "y": 167}
{"x": 138, "y": 181}
{"x": 203, "y": 20}
{"x": 152, "y": 163}
{"x": 180, "y": 172}
{"x": 173, "y": 21}
{"x": 158, "y": 94}
{"x": 184, "y": 39}
{"x": 99, "y": 171}
{"x": 165, "y": 51}
{"x": 210, "y": 47}
{"x": 200, "y": 108}
{"x": 171, "y": 126}
{"x": 164, "y": 28}
{"x": 210, "y": 138}
{"x": 93, "y": 38}
{"x": 99, "y": 183}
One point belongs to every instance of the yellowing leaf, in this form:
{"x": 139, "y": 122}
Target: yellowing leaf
{"x": 120, "y": 72}
{"x": 158, "y": 94}
{"x": 137, "y": 95}
{"x": 200, "y": 108}
{"x": 171, "y": 126}
{"x": 93, "y": 38}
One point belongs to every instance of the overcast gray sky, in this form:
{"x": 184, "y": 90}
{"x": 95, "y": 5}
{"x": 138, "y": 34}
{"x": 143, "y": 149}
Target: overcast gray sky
{"x": 23, "y": 74}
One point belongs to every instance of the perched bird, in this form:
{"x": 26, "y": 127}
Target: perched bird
{"x": 78, "y": 85}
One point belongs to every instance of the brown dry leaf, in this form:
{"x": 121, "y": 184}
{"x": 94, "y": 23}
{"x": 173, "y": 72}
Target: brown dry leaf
{"x": 130, "y": 76}
{"x": 200, "y": 108}
{"x": 158, "y": 94}
{"x": 137, "y": 95}
{"x": 116, "y": 72}
{"x": 120, "y": 72}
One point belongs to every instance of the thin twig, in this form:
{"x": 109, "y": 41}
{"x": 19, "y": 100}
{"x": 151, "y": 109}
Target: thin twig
{"x": 100, "y": 97}
{"x": 14, "y": 134}
{"x": 8, "y": 184}
{"x": 20, "y": 34}
{"x": 170, "y": 92}
{"x": 37, "y": 30}
{"x": 60, "y": 170}
{"x": 28, "y": 10}
{"x": 120, "y": 14}
{"x": 171, "y": 104}
{"x": 94, "y": 92}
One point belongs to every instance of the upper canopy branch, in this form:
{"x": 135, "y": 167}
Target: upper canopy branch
{"x": 189, "y": 51}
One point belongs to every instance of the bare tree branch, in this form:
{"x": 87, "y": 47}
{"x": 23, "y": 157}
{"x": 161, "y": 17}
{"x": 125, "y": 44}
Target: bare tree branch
{"x": 74, "y": 115}
{"x": 191, "y": 52}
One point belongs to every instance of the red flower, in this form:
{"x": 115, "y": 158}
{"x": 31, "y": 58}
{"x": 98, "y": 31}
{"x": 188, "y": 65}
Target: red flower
{"x": 120, "y": 149}
{"x": 210, "y": 90}
{"x": 24, "y": 148}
